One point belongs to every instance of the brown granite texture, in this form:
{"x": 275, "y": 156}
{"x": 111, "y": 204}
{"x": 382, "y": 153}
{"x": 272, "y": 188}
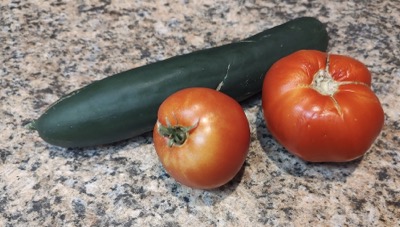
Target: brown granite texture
{"x": 51, "y": 47}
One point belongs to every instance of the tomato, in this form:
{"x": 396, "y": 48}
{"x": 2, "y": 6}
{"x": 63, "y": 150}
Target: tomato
{"x": 321, "y": 107}
{"x": 202, "y": 137}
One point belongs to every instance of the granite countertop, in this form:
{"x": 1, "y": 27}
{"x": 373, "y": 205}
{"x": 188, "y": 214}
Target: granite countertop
{"x": 51, "y": 47}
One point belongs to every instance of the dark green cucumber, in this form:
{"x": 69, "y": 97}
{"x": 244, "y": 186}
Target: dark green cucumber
{"x": 125, "y": 105}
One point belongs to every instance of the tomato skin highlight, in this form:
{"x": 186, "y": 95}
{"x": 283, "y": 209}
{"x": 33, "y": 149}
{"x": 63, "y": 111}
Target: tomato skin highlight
{"x": 217, "y": 145}
{"x": 331, "y": 127}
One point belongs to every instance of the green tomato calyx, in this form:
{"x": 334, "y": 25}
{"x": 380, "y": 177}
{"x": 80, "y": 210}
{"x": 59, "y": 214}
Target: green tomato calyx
{"x": 177, "y": 134}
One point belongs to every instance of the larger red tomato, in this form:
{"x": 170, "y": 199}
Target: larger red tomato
{"x": 321, "y": 107}
{"x": 202, "y": 137}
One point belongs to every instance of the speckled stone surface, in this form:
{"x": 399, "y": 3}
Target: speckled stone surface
{"x": 51, "y": 47}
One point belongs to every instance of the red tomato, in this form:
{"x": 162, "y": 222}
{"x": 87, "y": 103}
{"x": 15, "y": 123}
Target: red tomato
{"x": 202, "y": 137}
{"x": 321, "y": 107}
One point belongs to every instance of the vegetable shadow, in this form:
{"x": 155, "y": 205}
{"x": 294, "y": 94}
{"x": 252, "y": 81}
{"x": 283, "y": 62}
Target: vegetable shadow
{"x": 100, "y": 150}
{"x": 202, "y": 197}
{"x": 297, "y": 167}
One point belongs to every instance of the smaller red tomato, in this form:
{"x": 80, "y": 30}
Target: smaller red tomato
{"x": 321, "y": 107}
{"x": 202, "y": 137}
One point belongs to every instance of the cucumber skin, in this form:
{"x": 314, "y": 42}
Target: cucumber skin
{"x": 125, "y": 105}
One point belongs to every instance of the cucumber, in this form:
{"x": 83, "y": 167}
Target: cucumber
{"x": 125, "y": 105}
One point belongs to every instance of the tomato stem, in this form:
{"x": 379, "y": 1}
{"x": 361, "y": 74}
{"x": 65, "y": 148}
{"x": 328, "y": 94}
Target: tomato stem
{"x": 323, "y": 81}
{"x": 177, "y": 134}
